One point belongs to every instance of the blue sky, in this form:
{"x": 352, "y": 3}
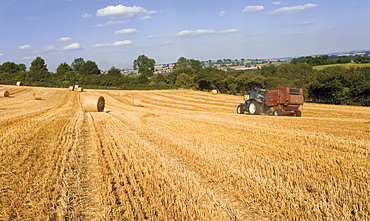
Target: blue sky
{"x": 115, "y": 33}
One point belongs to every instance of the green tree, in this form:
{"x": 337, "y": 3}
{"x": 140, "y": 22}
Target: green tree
{"x": 142, "y": 79}
{"x": 188, "y": 63}
{"x": 68, "y": 78}
{"x": 176, "y": 71}
{"x": 90, "y": 68}
{"x": 77, "y": 64}
{"x": 343, "y": 60}
{"x": 159, "y": 78}
{"x": 184, "y": 81}
{"x": 361, "y": 59}
{"x": 144, "y": 65}
{"x": 249, "y": 80}
{"x": 181, "y": 62}
{"x": 38, "y": 70}
{"x": 22, "y": 67}
{"x": 211, "y": 78}
{"x": 10, "y": 67}
{"x": 63, "y": 68}
{"x": 114, "y": 72}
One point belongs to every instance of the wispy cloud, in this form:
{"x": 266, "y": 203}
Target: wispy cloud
{"x": 73, "y": 46}
{"x": 126, "y": 31}
{"x": 228, "y": 31}
{"x": 49, "y": 48}
{"x": 64, "y": 39}
{"x": 24, "y": 47}
{"x": 221, "y": 13}
{"x": 308, "y": 23}
{"x": 276, "y": 3}
{"x": 301, "y": 24}
{"x": 115, "y": 44}
{"x": 145, "y": 18}
{"x": 293, "y": 9}
{"x": 121, "y": 11}
{"x": 1, "y": 54}
{"x": 109, "y": 23}
{"x": 86, "y": 15}
{"x": 27, "y": 58}
{"x": 204, "y": 32}
{"x": 253, "y": 8}
{"x": 195, "y": 32}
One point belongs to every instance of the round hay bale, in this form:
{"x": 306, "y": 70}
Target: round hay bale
{"x": 71, "y": 88}
{"x": 19, "y": 83}
{"x": 137, "y": 102}
{"x": 36, "y": 96}
{"x": 214, "y": 91}
{"x": 246, "y": 97}
{"x": 76, "y": 86}
{"x": 4, "y": 93}
{"x": 93, "y": 103}
{"x": 80, "y": 89}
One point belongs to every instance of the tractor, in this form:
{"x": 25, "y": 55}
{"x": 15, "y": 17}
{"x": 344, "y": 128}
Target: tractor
{"x": 279, "y": 102}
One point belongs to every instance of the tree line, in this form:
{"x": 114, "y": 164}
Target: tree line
{"x": 333, "y": 85}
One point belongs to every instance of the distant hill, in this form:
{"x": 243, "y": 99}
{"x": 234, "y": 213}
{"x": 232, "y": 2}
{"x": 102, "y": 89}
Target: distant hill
{"x": 251, "y": 64}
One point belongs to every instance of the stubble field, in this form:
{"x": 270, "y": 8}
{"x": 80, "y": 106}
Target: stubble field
{"x": 182, "y": 155}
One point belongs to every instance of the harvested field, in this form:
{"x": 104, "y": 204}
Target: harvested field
{"x": 180, "y": 155}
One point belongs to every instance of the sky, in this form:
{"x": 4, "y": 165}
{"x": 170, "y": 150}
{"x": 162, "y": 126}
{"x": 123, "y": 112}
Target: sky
{"x": 113, "y": 33}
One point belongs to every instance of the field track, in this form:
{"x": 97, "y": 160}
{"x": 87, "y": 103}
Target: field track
{"x": 182, "y": 155}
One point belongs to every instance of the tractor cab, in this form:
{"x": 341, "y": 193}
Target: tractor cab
{"x": 257, "y": 94}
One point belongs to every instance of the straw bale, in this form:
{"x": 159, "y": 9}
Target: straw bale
{"x": 19, "y": 83}
{"x": 71, "y": 88}
{"x": 93, "y": 103}
{"x": 137, "y": 102}
{"x": 214, "y": 91}
{"x": 36, "y": 96}
{"x": 4, "y": 93}
{"x": 80, "y": 89}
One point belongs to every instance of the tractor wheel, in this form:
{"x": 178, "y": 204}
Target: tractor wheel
{"x": 254, "y": 108}
{"x": 240, "y": 109}
{"x": 278, "y": 112}
{"x": 298, "y": 113}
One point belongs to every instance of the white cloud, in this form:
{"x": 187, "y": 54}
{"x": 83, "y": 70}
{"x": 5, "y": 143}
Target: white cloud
{"x": 166, "y": 43}
{"x": 145, "y": 18}
{"x": 308, "y": 23}
{"x": 23, "y": 47}
{"x": 1, "y": 54}
{"x": 109, "y": 23}
{"x": 121, "y": 11}
{"x": 119, "y": 43}
{"x": 28, "y": 58}
{"x": 228, "y": 31}
{"x": 72, "y": 46}
{"x": 64, "y": 39}
{"x": 276, "y": 3}
{"x": 196, "y": 32}
{"x": 253, "y": 8}
{"x": 115, "y": 44}
{"x": 86, "y": 15}
{"x": 49, "y": 48}
{"x": 150, "y": 36}
{"x": 221, "y": 13}
{"x": 293, "y": 9}
{"x": 126, "y": 31}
